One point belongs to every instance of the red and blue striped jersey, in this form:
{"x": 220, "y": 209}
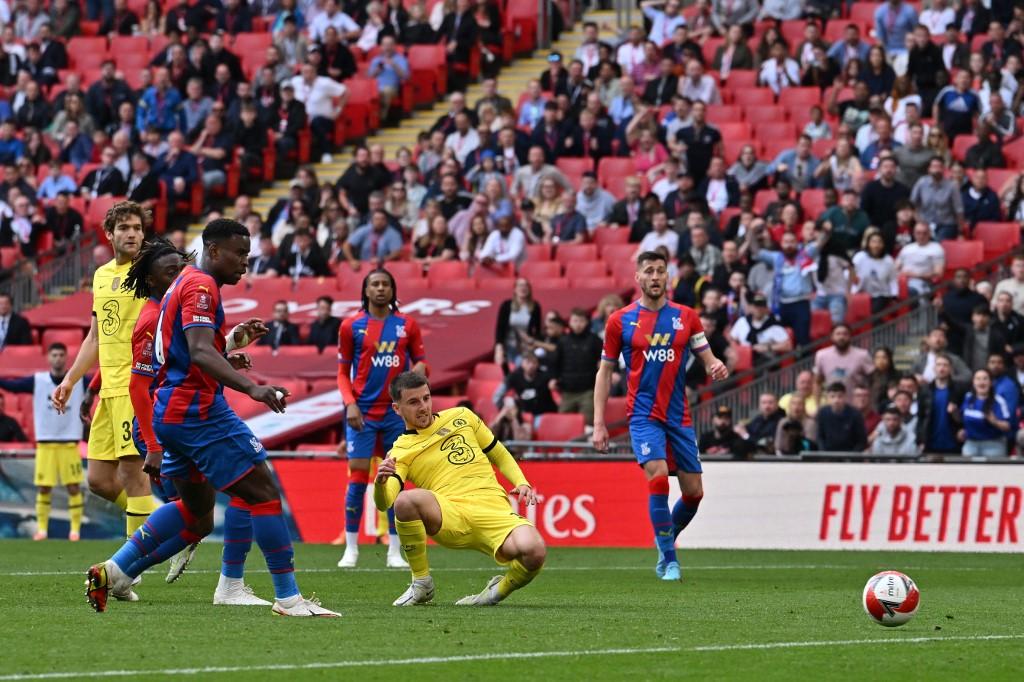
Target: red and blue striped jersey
{"x": 143, "y": 342}
{"x": 654, "y": 345}
{"x": 371, "y": 353}
{"x": 184, "y": 392}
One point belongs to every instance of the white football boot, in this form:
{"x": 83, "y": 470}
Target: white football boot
{"x": 302, "y": 608}
{"x": 350, "y": 558}
{"x": 489, "y": 597}
{"x": 180, "y": 561}
{"x": 420, "y": 591}
{"x": 234, "y": 592}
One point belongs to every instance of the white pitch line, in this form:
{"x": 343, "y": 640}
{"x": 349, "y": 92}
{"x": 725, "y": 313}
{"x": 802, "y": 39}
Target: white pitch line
{"x": 511, "y": 656}
{"x": 548, "y": 569}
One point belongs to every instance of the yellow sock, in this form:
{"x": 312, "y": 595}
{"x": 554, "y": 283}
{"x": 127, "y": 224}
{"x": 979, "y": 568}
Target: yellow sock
{"x": 518, "y": 577}
{"x": 122, "y": 501}
{"x": 382, "y": 526}
{"x": 139, "y": 509}
{"x": 414, "y": 541}
{"x": 43, "y": 510}
{"x": 75, "y": 511}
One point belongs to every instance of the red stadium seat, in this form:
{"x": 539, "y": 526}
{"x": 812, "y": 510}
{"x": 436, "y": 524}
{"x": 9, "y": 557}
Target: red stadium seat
{"x": 962, "y": 254}
{"x": 502, "y": 271}
{"x": 615, "y": 415}
{"x": 1014, "y": 153}
{"x": 605, "y": 283}
{"x": 740, "y": 79}
{"x": 404, "y": 270}
{"x": 538, "y": 252}
{"x": 731, "y": 149}
{"x": 795, "y": 98}
{"x": 574, "y": 167}
{"x": 606, "y": 236}
{"x": 69, "y": 336}
{"x": 578, "y": 269}
{"x": 248, "y": 42}
{"x": 488, "y": 371}
{"x": 821, "y": 324}
{"x": 753, "y": 97}
{"x": 822, "y": 148}
{"x": 560, "y": 427}
{"x": 447, "y": 273}
{"x": 575, "y": 252}
{"x": 614, "y": 167}
{"x": 744, "y": 358}
{"x": 120, "y": 45}
{"x": 549, "y": 283}
{"x": 997, "y": 238}
{"x": 773, "y": 130}
{"x": 538, "y": 269}
{"x": 735, "y": 131}
{"x": 9, "y": 255}
{"x": 496, "y": 284}
{"x": 445, "y": 402}
{"x": 724, "y": 113}
{"x": 858, "y": 309}
{"x": 771, "y": 113}
{"x": 812, "y": 201}
{"x": 482, "y": 389}
{"x": 615, "y": 254}
{"x": 961, "y": 143}
{"x": 11, "y": 355}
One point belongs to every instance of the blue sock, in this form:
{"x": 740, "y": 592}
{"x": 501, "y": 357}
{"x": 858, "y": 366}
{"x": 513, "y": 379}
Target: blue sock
{"x": 683, "y": 512}
{"x": 391, "y": 522}
{"x": 354, "y": 499}
{"x": 237, "y": 539}
{"x": 661, "y": 519}
{"x": 271, "y": 533}
{"x": 164, "y": 534}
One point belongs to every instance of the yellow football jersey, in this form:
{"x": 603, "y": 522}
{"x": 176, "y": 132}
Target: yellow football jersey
{"x": 454, "y": 457}
{"x": 116, "y": 312}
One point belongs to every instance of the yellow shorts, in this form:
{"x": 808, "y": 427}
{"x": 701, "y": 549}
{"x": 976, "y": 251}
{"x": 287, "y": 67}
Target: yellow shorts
{"x": 110, "y": 437}
{"x": 58, "y": 463}
{"x": 480, "y": 523}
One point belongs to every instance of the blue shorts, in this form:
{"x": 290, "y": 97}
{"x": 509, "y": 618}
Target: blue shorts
{"x": 656, "y": 440}
{"x": 163, "y": 487}
{"x": 222, "y": 447}
{"x": 362, "y": 444}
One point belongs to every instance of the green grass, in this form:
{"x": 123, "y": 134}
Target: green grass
{"x": 586, "y": 600}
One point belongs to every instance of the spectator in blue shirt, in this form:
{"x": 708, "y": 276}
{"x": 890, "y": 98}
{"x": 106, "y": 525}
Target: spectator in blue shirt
{"x": 794, "y": 268}
{"x": 850, "y": 47}
{"x": 893, "y": 21}
{"x": 373, "y": 243}
{"x": 158, "y": 106}
{"x": 75, "y": 146}
{"x": 956, "y": 106}
{"x": 391, "y": 70}
{"x": 986, "y": 418}
{"x": 532, "y": 108}
{"x": 55, "y": 183}
{"x": 1006, "y": 388}
{"x": 11, "y": 148}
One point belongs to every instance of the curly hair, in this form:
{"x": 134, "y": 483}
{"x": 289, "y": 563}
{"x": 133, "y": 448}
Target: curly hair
{"x": 122, "y": 210}
{"x": 155, "y": 248}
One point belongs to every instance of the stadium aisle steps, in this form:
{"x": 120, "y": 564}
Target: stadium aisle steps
{"x": 511, "y": 81}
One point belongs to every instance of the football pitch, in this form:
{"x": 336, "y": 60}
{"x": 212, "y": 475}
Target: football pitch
{"x": 592, "y": 614}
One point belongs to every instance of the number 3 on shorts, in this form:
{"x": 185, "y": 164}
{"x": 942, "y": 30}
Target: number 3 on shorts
{"x": 127, "y": 435}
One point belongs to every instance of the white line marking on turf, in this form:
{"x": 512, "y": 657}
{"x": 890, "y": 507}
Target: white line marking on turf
{"x": 510, "y": 656}
{"x": 547, "y": 569}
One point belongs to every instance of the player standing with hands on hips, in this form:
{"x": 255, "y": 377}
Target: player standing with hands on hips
{"x": 654, "y": 335}
{"x": 374, "y": 346}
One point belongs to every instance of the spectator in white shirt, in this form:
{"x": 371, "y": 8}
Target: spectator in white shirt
{"x": 923, "y": 261}
{"x": 506, "y": 244}
{"x": 781, "y": 71}
{"x": 588, "y": 52}
{"x": 663, "y": 23}
{"x": 465, "y": 140}
{"x": 324, "y": 99}
{"x": 697, "y": 85}
{"x": 593, "y": 202}
{"x": 937, "y": 17}
{"x": 631, "y": 53}
{"x": 348, "y": 29}
{"x": 660, "y": 235}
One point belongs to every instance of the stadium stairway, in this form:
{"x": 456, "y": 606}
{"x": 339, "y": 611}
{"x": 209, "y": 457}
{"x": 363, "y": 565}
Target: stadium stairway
{"x": 511, "y": 81}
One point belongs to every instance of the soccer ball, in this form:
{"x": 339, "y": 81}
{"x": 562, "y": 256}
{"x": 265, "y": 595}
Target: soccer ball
{"x": 891, "y": 598}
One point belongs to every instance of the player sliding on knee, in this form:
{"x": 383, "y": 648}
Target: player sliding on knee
{"x": 457, "y": 500}
{"x": 158, "y": 264}
{"x": 374, "y": 346}
{"x": 206, "y": 447}
{"x": 654, "y": 336}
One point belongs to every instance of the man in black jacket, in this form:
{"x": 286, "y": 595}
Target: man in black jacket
{"x": 10, "y": 430}
{"x": 282, "y": 331}
{"x": 840, "y": 426}
{"x": 63, "y": 221}
{"x": 103, "y": 97}
{"x": 459, "y": 31}
{"x": 104, "y": 180}
{"x": 760, "y": 431}
{"x": 530, "y": 386}
{"x": 143, "y": 183}
{"x": 722, "y": 439}
{"x": 1007, "y": 321}
{"x": 14, "y": 329}
{"x": 301, "y": 257}
{"x": 323, "y": 332}
{"x": 938, "y": 409}
{"x": 574, "y": 367}
{"x": 661, "y": 90}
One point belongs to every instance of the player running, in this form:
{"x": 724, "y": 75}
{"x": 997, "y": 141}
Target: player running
{"x": 653, "y": 335}
{"x": 57, "y": 436}
{"x": 457, "y": 500}
{"x": 206, "y": 446}
{"x": 374, "y": 346}
{"x": 115, "y": 465}
{"x": 152, "y": 272}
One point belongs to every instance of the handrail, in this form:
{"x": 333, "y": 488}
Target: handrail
{"x": 65, "y": 271}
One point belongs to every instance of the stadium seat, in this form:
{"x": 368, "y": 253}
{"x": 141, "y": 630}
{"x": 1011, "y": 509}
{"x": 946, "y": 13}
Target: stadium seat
{"x": 821, "y": 324}
{"x": 574, "y": 167}
{"x": 482, "y": 389}
{"x": 538, "y": 252}
{"x": 448, "y": 273}
{"x": 578, "y": 269}
{"x": 858, "y": 310}
{"x": 615, "y": 415}
{"x": 740, "y": 79}
{"x": 560, "y": 427}
{"x": 812, "y": 201}
{"x": 505, "y": 284}
{"x": 69, "y": 336}
{"x": 605, "y": 236}
{"x": 11, "y": 355}
{"x": 445, "y": 402}
{"x": 500, "y": 271}
{"x": 962, "y": 253}
{"x": 606, "y": 283}
{"x": 575, "y": 252}
{"x": 549, "y": 283}
{"x": 488, "y": 371}
{"x": 753, "y": 97}
{"x": 724, "y": 113}
{"x": 771, "y": 113}
{"x": 404, "y": 270}
{"x": 1014, "y": 153}
{"x": 961, "y": 143}
{"x": 534, "y": 270}
{"x": 612, "y": 167}
{"x": 774, "y": 130}
{"x": 997, "y": 238}
{"x": 797, "y": 98}
{"x": 9, "y": 255}
{"x": 735, "y": 131}
{"x": 120, "y": 45}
